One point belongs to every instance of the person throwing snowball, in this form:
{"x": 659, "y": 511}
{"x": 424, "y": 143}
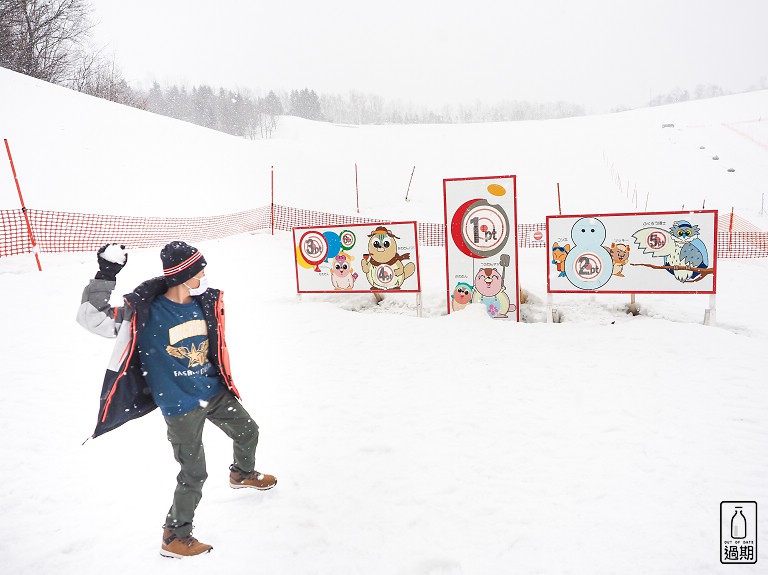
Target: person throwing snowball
{"x": 170, "y": 353}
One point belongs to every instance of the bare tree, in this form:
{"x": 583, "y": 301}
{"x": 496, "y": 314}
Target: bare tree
{"x": 43, "y": 38}
{"x": 8, "y": 34}
{"x": 99, "y": 76}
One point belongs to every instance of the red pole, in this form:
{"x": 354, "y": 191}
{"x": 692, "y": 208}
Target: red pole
{"x": 23, "y": 207}
{"x": 272, "y": 203}
{"x": 559, "y": 210}
{"x": 357, "y": 191}
{"x": 730, "y": 231}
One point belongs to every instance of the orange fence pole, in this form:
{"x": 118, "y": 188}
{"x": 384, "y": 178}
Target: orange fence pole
{"x": 23, "y": 207}
{"x": 730, "y": 231}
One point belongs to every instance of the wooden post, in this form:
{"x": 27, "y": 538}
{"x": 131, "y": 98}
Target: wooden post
{"x": 409, "y": 184}
{"x": 357, "y": 190}
{"x": 633, "y": 305}
{"x": 272, "y": 202}
{"x": 23, "y": 207}
{"x": 549, "y": 309}
{"x": 710, "y": 314}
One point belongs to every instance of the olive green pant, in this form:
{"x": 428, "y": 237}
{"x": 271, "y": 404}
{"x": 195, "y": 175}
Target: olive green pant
{"x": 185, "y": 432}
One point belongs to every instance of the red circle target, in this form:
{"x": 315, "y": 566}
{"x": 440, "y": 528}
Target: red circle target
{"x": 314, "y": 248}
{"x": 384, "y": 275}
{"x": 657, "y": 240}
{"x": 348, "y": 239}
{"x": 587, "y": 266}
{"x": 479, "y": 229}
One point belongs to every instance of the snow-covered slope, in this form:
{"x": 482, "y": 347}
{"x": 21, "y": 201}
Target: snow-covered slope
{"x": 601, "y": 445}
{"x": 78, "y": 153}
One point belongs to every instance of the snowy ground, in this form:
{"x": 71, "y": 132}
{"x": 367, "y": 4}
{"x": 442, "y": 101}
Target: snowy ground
{"x": 603, "y": 444}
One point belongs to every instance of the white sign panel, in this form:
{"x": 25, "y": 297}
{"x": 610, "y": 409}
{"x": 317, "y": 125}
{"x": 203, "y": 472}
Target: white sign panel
{"x": 481, "y": 245}
{"x": 659, "y": 252}
{"x": 357, "y": 258}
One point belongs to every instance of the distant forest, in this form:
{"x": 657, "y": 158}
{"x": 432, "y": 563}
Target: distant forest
{"x": 241, "y": 113}
{"x": 51, "y": 40}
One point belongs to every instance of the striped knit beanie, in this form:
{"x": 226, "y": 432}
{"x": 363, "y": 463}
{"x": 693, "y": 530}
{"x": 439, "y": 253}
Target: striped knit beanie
{"x": 181, "y": 262}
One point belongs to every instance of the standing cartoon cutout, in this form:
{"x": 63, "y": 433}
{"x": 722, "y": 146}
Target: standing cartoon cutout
{"x": 383, "y": 266}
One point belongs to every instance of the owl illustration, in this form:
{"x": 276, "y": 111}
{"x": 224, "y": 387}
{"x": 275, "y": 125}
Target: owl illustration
{"x": 679, "y": 246}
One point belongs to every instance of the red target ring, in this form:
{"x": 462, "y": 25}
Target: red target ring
{"x": 657, "y": 240}
{"x": 314, "y": 248}
{"x": 456, "y": 232}
{"x": 480, "y": 229}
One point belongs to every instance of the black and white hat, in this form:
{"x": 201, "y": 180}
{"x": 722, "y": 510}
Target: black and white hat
{"x": 181, "y": 262}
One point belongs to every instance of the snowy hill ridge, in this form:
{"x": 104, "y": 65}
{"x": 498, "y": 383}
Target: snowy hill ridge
{"x": 77, "y": 153}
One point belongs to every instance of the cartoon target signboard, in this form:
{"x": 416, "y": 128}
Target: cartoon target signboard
{"x": 650, "y": 252}
{"x": 481, "y": 245}
{"x": 357, "y": 258}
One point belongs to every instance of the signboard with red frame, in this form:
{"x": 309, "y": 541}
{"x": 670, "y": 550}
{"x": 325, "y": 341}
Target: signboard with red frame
{"x": 648, "y": 252}
{"x": 357, "y": 258}
{"x": 481, "y": 245}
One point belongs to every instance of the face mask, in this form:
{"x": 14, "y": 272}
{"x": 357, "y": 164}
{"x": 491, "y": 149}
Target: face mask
{"x": 199, "y": 289}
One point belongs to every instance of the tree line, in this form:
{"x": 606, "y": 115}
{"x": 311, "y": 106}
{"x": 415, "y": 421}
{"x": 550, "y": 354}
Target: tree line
{"x": 51, "y": 40}
{"x": 236, "y": 112}
{"x": 700, "y": 92}
{"x": 682, "y": 95}
{"x": 242, "y": 113}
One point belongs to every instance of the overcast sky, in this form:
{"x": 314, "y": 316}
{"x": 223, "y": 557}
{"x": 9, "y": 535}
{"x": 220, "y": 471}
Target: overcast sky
{"x": 598, "y": 53}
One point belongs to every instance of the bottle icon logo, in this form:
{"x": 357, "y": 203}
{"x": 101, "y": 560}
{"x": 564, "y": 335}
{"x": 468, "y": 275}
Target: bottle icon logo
{"x": 738, "y": 532}
{"x": 738, "y": 524}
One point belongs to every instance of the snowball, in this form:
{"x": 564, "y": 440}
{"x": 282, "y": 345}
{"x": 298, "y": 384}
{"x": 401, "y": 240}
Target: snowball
{"x": 114, "y": 254}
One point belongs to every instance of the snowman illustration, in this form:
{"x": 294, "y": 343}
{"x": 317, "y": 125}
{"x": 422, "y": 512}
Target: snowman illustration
{"x": 588, "y": 265}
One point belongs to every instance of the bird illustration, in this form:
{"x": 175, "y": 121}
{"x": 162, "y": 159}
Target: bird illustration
{"x": 679, "y": 246}
{"x": 195, "y": 355}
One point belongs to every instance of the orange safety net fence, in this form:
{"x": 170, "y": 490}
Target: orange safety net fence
{"x": 57, "y": 232}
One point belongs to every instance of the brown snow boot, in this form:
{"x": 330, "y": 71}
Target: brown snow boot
{"x": 180, "y": 547}
{"x": 255, "y": 480}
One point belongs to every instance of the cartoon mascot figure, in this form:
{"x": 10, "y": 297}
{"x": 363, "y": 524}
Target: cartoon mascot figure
{"x": 342, "y": 275}
{"x": 383, "y": 266}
